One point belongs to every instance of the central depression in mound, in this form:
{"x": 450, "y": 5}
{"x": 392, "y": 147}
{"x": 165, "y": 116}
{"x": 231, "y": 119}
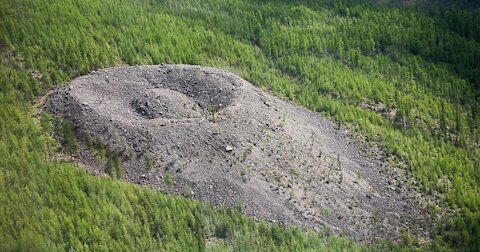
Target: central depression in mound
{"x": 226, "y": 142}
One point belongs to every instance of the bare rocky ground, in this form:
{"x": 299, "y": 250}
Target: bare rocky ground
{"x": 226, "y": 142}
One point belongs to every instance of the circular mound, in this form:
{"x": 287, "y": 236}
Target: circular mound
{"x": 225, "y": 142}
{"x": 206, "y": 88}
{"x": 165, "y": 103}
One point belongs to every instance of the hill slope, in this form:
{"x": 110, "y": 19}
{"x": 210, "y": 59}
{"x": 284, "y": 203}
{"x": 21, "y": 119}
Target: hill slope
{"x": 405, "y": 79}
{"x": 226, "y": 142}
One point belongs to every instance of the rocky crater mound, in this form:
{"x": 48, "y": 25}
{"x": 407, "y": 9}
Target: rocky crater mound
{"x": 223, "y": 141}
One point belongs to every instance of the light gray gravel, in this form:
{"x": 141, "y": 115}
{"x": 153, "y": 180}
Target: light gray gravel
{"x": 228, "y": 143}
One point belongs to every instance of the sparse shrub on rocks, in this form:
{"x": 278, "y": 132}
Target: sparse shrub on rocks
{"x": 69, "y": 140}
{"x": 64, "y": 130}
{"x": 113, "y": 166}
{"x": 168, "y": 179}
{"x": 100, "y": 148}
{"x": 88, "y": 141}
{"x": 148, "y": 162}
{"x": 109, "y": 167}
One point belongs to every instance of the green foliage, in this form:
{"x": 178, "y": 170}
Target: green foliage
{"x": 46, "y": 123}
{"x": 55, "y": 206}
{"x": 406, "y": 78}
{"x": 100, "y": 148}
{"x": 69, "y": 141}
{"x": 64, "y": 130}
{"x": 168, "y": 179}
{"x": 112, "y": 166}
{"x": 109, "y": 167}
{"x": 88, "y": 141}
{"x": 223, "y": 231}
{"x": 148, "y": 162}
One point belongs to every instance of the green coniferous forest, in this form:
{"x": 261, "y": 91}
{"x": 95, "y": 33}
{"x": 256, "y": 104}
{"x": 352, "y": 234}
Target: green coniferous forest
{"x": 405, "y": 78}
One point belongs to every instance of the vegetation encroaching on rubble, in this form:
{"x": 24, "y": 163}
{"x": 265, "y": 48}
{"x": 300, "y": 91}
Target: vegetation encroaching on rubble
{"x": 407, "y": 79}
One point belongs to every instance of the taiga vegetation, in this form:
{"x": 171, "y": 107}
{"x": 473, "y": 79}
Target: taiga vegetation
{"x": 405, "y": 79}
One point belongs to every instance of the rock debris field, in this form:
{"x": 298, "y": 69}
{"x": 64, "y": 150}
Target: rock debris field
{"x": 225, "y": 142}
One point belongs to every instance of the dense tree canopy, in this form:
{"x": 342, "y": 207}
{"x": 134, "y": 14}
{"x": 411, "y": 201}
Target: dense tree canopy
{"x": 405, "y": 79}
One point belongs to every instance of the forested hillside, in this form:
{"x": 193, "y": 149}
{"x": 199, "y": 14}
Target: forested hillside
{"x": 407, "y": 80}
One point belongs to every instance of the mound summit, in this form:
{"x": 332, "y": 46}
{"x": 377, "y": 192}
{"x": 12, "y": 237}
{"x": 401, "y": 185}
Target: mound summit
{"x": 228, "y": 143}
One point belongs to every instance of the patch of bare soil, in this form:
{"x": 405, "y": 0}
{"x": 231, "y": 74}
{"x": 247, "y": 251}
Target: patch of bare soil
{"x": 226, "y": 142}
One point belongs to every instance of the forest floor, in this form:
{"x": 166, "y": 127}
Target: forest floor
{"x": 210, "y": 135}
